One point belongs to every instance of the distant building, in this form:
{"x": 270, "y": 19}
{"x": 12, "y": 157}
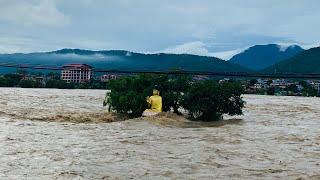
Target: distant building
{"x": 107, "y": 77}
{"x": 299, "y": 87}
{"x": 316, "y": 85}
{"x": 200, "y": 77}
{"x": 262, "y": 81}
{"x": 280, "y": 83}
{"x": 224, "y": 80}
{"x": 76, "y": 73}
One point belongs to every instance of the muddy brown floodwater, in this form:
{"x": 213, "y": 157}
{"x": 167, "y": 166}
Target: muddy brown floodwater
{"x": 278, "y": 138}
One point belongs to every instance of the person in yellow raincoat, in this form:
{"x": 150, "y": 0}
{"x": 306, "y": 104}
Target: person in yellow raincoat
{"x": 155, "y": 103}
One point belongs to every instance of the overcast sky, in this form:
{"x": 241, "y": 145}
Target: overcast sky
{"x": 205, "y": 27}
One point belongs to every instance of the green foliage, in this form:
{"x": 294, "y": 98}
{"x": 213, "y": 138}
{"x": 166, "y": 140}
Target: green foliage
{"x": 205, "y": 100}
{"x": 308, "y": 90}
{"x": 305, "y": 62}
{"x": 292, "y": 88}
{"x": 208, "y": 100}
{"x": 253, "y": 82}
{"x": 17, "y": 80}
{"x": 13, "y": 80}
{"x": 59, "y": 84}
{"x": 93, "y": 84}
{"x": 271, "y": 91}
{"x": 172, "y": 91}
{"x": 128, "y": 95}
{"x": 29, "y": 84}
{"x": 3, "y": 81}
{"x": 261, "y": 91}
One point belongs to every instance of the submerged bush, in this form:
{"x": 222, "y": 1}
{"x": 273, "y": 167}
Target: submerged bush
{"x": 204, "y": 100}
{"x": 172, "y": 88}
{"x": 128, "y": 94}
{"x": 208, "y": 100}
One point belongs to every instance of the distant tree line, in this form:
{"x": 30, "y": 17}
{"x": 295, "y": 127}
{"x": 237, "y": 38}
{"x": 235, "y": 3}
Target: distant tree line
{"x": 52, "y": 81}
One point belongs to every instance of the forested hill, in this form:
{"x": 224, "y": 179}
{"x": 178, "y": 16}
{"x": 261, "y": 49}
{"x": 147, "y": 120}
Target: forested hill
{"x": 262, "y": 56}
{"x": 124, "y": 60}
{"x": 305, "y": 62}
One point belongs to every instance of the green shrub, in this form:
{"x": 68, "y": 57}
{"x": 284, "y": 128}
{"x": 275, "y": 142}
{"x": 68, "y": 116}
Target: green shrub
{"x": 25, "y": 83}
{"x": 13, "y": 80}
{"x": 208, "y": 100}
{"x": 204, "y": 100}
{"x": 128, "y": 95}
{"x": 59, "y": 84}
{"x": 172, "y": 88}
{"x": 3, "y": 82}
{"x": 271, "y": 91}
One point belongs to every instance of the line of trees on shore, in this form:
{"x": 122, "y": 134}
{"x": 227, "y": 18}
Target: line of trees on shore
{"x": 52, "y": 81}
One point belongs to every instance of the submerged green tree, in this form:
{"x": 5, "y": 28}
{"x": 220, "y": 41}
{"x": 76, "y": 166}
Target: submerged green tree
{"x": 174, "y": 87}
{"x": 128, "y": 95}
{"x": 204, "y": 100}
{"x": 208, "y": 100}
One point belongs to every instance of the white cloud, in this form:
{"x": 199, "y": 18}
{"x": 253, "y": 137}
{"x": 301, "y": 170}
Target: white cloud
{"x": 199, "y": 48}
{"x": 208, "y": 26}
{"x": 227, "y": 55}
{"x": 30, "y": 44}
{"x": 309, "y": 46}
{"x": 284, "y": 46}
{"x": 196, "y": 48}
{"x": 32, "y": 12}
{"x": 17, "y": 44}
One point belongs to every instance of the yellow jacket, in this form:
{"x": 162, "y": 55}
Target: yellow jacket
{"x": 155, "y": 102}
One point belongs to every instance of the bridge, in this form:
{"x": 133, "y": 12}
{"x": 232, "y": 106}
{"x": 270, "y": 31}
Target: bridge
{"x": 201, "y": 73}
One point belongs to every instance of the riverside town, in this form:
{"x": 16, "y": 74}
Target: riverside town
{"x": 81, "y": 75}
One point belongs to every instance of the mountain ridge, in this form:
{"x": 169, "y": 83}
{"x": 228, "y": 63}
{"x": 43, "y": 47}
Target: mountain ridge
{"x": 259, "y": 57}
{"x": 305, "y": 62}
{"x": 125, "y": 60}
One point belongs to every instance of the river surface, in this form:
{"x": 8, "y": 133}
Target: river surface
{"x": 277, "y": 138}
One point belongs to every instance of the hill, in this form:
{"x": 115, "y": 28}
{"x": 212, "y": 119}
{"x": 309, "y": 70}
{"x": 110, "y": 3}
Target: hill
{"x": 261, "y": 56}
{"x": 124, "y": 60}
{"x": 305, "y": 62}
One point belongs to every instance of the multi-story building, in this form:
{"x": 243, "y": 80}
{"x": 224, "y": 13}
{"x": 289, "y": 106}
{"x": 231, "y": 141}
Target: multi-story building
{"x": 76, "y": 73}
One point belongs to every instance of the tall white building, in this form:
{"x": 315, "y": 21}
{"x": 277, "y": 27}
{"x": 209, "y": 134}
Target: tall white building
{"x": 76, "y": 73}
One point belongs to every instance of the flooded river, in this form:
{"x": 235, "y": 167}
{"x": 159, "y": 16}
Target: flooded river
{"x": 277, "y": 138}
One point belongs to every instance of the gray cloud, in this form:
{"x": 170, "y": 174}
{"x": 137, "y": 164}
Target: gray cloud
{"x": 32, "y": 13}
{"x": 206, "y": 26}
